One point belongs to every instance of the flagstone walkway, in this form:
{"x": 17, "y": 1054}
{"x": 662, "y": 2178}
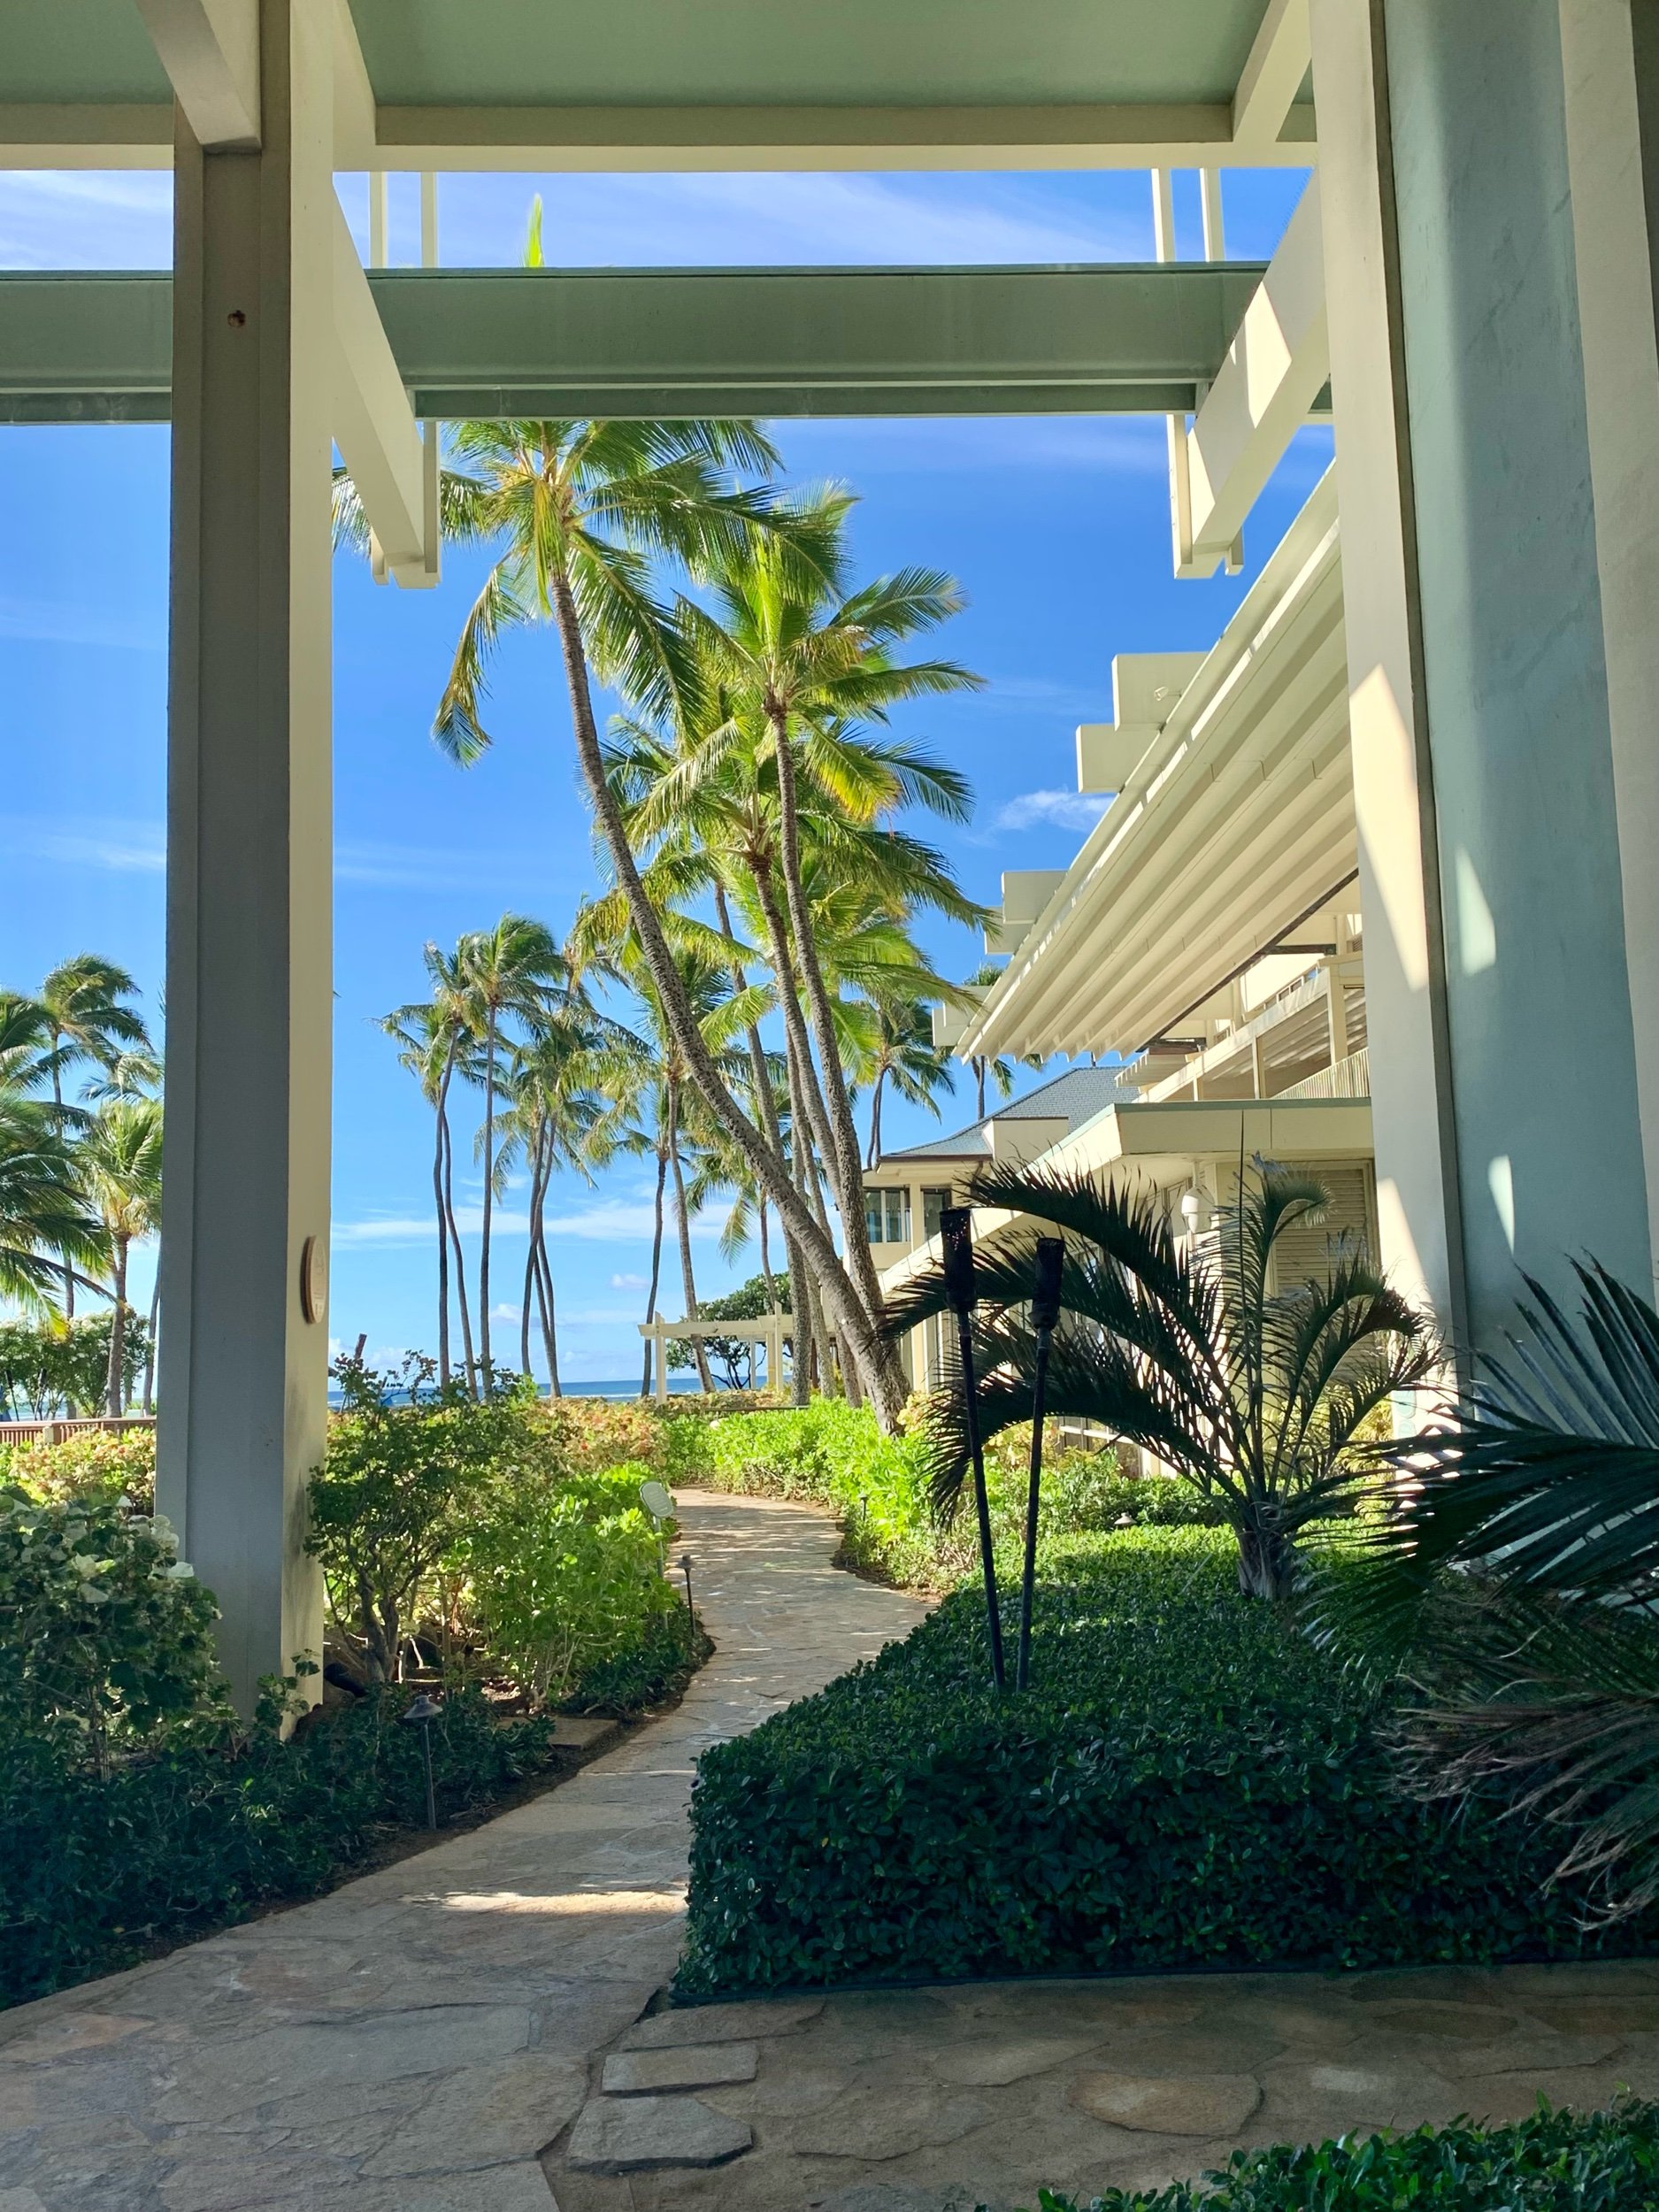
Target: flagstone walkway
{"x": 468, "y": 2031}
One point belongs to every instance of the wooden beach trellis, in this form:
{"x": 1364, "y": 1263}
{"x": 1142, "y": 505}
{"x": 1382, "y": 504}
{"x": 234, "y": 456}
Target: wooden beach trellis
{"x": 767, "y": 1329}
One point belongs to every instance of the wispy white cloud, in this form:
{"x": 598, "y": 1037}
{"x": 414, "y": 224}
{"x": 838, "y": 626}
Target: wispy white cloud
{"x": 606, "y": 1221}
{"x": 86, "y": 218}
{"x": 630, "y": 1282}
{"x": 731, "y": 216}
{"x": 122, "y": 847}
{"x": 1064, "y": 810}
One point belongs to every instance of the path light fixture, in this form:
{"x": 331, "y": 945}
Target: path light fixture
{"x": 1045, "y": 1312}
{"x": 956, "y": 1230}
{"x": 420, "y": 1713}
{"x": 685, "y": 1569}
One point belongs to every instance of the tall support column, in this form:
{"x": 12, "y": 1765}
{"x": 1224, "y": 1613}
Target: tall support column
{"x": 1417, "y": 1198}
{"x": 1610, "y": 63}
{"x": 244, "y": 1258}
{"x": 1501, "y": 939}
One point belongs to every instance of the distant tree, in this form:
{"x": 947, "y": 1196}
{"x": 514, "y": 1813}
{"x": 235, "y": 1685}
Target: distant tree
{"x": 88, "y": 1020}
{"x": 736, "y": 1356}
{"x": 118, "y": 1161}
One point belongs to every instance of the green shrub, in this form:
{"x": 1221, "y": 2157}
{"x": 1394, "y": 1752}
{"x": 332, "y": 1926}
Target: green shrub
{"x": 105, "y": 1637}
{"x": 563, "y": 1573}
{"x": 655, "y": 1665}
{"x": 1553, "y": 2161}
{"x": 878, "y": 1487}
{"x": 403, "y": 1481}
{"x": 89, "y": 1462}
{"x": 1185, "y": 1783}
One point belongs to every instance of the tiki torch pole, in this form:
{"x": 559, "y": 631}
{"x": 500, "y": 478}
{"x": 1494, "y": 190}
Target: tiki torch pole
{"x": 1045, "y": 1311}
{"x": 956, "y": 1230}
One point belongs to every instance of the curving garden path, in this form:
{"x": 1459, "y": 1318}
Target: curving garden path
{"x": 463, "y": 2031}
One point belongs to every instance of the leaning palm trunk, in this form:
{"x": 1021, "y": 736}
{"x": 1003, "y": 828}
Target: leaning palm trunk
{"x": 860, "y": 1331}
{"x": 489, "y": 1194}
{"x": 842, "y": 1156}
{"x": 1259, "y": 1398}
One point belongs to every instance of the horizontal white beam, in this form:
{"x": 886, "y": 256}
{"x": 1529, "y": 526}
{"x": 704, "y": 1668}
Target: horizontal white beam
{"x": 1272, "y": 76}
{"x": 580, "y": 140}
{"x": 210, "y": 50}
{"x": 1146, "y": 690}
{"x": 374, "y": 426}
{"x": 1275, "y": 369}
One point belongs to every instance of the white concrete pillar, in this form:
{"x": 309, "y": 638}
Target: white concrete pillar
{"x": 1399, "y": 866}
{"x": 1501, "y": 941}
{"x": 243, "y": 1380}
{"x": 1610, "y": 63}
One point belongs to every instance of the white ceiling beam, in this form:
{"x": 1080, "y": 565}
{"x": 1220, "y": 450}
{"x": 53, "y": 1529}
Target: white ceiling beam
{"x": 210, "y": 50}
{"x": 374, "y": 426}
{"x": 1271, "y": 78}
{"x": 1275, "y": 369}
{"x": 1073, "y": 135}
{"x": 354, "y": 97}
{"x": 651, "y": 140}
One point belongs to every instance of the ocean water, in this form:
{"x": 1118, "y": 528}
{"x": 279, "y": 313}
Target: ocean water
{"x": 582, "y": 1387}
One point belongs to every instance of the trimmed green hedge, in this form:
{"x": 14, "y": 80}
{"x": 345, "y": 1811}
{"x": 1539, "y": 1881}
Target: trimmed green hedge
{"x": 1553, "y": 2162}
{"x": 878, "y": 1486}
{"x": 1187, "y": 1784}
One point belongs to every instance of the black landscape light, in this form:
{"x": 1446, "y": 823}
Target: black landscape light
{"x": 420, "y": 1713}
{"x": 1045, "y": 1312}
{"x": 956, "y": 1230}
{"x": 685, "y": 1569}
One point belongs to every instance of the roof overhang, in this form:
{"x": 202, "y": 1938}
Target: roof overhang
{"x": 551, "y": 85}
{"x": 1238, "y": 817}
{"x": 1156, "y": 1143}
{"x": 510, "y": 343}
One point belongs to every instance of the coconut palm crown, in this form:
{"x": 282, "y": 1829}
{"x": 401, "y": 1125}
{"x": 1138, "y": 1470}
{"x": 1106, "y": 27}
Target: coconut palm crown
{"x": 1256, "y": 1394}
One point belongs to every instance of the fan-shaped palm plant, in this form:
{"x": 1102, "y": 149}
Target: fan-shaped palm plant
{"x": 1256, "y": 1392}
{"x": 1514, "y": 1582}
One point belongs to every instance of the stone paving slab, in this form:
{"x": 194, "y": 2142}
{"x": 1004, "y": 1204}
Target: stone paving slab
{"x": 940, "y": 2100}
{"x": 411, "y": 2042}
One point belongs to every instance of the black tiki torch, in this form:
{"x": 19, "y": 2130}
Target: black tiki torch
{"x": 1045, "y": 1311}
{"x": 956, "y": 1230}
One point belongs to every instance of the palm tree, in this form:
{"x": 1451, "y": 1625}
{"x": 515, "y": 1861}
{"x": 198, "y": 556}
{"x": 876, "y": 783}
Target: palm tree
{"x": 562, "y": 1083}
{"x": 701, "y": 800}
{"x": 581, "y": 508}
{"x": 82, "y": 1000}
{"x": 1512, "y": 1582}
{"x": 905, "y": 1056}
{"x": 435, "y": 1040}
{"x": 119, "y": 1161}
{"x": 42, "y": 1207}
{"x": 809, "y": 657}
{"x": 514, "y": 971}
{"x": 1257, "y": 1395}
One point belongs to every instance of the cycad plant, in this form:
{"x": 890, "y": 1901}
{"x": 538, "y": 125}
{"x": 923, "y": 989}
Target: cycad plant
{"x": 1257, "y": 1391}
{"x": 1513, "y": 1581}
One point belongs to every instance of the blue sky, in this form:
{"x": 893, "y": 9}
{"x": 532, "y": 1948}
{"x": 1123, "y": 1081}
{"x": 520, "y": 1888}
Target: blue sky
{"x": 1058, "y": 530}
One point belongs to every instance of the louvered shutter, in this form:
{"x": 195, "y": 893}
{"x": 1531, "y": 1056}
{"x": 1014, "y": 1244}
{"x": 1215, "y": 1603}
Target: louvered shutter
{"x": 1302, "y": 1251}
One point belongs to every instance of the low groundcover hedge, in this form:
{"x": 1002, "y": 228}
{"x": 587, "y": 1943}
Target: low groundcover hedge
{"x": 1553, "y": 2161}
{"x": 1187, "y": 1784}
{"x": 210, "y": 1827}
